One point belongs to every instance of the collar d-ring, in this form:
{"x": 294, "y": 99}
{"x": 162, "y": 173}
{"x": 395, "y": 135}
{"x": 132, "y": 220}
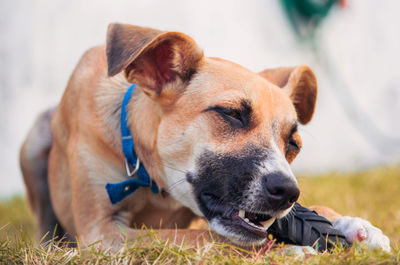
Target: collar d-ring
{"x": 128, "y": 169}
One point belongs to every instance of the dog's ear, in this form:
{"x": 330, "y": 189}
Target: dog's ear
{"x": 151, "y": 58}
{"x": 301, "y": 85}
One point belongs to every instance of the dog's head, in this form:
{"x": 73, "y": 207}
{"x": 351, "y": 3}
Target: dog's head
{"x": 223, "y": 136}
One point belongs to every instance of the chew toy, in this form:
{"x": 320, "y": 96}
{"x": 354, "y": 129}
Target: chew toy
{"x": 306, "y": 228}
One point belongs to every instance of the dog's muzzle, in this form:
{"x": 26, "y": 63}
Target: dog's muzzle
{"x": 240, "y": 200}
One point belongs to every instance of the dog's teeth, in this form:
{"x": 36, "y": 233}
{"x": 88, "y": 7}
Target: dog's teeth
{"x": 268, "y": 223}
{"x": 241, "y": 213}
{"x": 264, "y": 225}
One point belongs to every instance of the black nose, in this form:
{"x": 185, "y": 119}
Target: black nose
{"x": 282, "y": 191}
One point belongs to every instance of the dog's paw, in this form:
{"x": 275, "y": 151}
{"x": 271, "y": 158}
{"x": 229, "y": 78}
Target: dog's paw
{"x": 299, "y": 250}
{"x": 358, "y": 229}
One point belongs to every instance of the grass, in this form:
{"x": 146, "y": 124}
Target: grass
{"x": 373, "y": 194}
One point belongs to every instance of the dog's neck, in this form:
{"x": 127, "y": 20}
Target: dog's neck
{"x": 143, "y": 121}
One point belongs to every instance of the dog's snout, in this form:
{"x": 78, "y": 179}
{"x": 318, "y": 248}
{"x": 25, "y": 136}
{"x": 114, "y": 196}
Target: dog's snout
{"x": 282, "y": 191}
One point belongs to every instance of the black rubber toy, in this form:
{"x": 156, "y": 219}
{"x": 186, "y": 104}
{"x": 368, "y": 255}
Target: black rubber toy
{"x": 306, "y": 228}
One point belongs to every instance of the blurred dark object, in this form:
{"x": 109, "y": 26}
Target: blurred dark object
{"x": 306, "y": 228}
{"x": 306, "y": 15}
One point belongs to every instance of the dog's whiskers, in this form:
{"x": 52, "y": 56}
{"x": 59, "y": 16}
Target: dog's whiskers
{"x": 182, "y": 180}
{"x": 173, "y": 168}
{"x": 176, "y": 183}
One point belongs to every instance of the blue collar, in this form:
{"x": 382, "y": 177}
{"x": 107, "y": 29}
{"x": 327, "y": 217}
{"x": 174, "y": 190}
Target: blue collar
{"x": 118, "y": 191}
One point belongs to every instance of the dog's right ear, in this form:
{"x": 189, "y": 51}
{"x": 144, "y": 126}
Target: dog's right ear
{"x": 151, "y": 58}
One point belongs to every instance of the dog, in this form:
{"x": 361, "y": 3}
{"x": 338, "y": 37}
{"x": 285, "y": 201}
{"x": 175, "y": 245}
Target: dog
{"x": 215, "y": 138}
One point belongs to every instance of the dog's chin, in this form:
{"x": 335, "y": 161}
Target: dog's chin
{"x": 241, "y": 227}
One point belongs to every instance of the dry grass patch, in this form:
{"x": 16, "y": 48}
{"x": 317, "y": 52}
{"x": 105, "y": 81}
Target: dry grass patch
{"x": 372, "y": 194}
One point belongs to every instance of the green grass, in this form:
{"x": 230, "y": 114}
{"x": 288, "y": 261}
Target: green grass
{"x": 372, "y": 194}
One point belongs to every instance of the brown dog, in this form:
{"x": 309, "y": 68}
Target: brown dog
{"x": 214, "y": 136}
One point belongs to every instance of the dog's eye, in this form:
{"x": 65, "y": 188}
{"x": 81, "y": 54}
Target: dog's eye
{"x": 233, "y": 116}
{"x": 232, "y": 113}
{"x": 292, "y": 149}
{"x": 293, "y": 144}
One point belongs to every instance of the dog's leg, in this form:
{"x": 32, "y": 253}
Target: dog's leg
{"x": 96, "y": 219}
{"x": 355, "y": 228}
{"x": 34, "y": 162}
{"x": 113, "y": 233}
{"x": 190, "y": 237}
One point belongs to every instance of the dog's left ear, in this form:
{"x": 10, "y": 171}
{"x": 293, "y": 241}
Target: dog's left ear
{"x": 301, "y": 85}
{"x": 159, "y": 62}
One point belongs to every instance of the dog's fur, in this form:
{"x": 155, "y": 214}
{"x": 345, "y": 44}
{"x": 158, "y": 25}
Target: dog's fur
{"x": 201, "y": 126}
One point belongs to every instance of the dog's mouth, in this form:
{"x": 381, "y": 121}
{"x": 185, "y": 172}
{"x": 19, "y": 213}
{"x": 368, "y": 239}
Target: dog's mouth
{"x": 239, "y": 225}
{"x": 256, "y": 221}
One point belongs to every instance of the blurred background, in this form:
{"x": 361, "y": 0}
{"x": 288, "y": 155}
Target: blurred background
{"x": 353, "y": 47}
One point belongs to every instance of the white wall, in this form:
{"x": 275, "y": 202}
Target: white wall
{"x": 42, "y": 40}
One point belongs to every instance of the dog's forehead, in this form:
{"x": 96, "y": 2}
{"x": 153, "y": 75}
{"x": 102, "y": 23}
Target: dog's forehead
{"x": 222, "y": 82}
